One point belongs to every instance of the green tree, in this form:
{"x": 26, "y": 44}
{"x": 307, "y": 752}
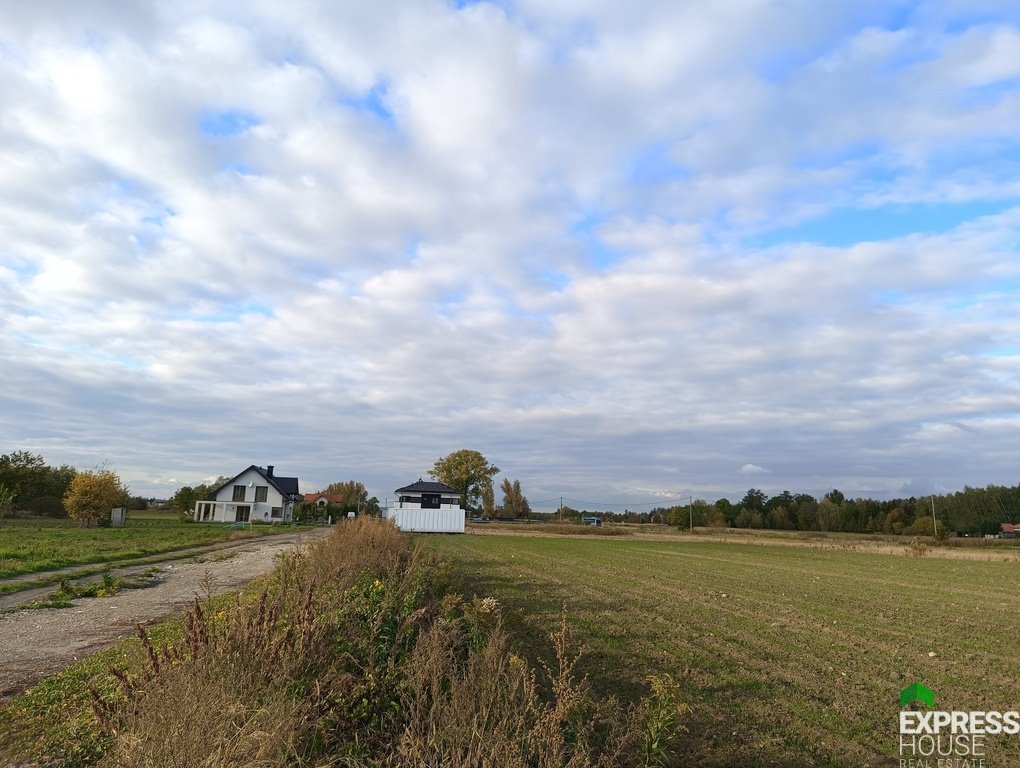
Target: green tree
{"x": 515, "y": 503}
{"x": 6, "y": 501}
{"x": 46, "y": 498}
{"x": 24, "y": 473}
{"x": 828, "y": 515}
{"x": 725, "y": 511}
{"x": 468, "y": 472}
{"x": 835, "y": 496}
{"x": 754, "y": 501}
{"x": 183, "y": 502}
{"x": 717, "y": 517}
{"x": 567, "y": 513}
{"x": 923, "y": 526}
{"x": 92, "y": 495}
{"x": 807, "y": 512}
{"x": 781, "y": 518}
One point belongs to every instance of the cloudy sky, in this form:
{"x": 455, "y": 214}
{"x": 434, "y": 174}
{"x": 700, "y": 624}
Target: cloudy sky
{"x": 628, "y": 251}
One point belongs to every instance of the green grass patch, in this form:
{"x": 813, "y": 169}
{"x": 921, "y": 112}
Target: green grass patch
{"x": 31, "y": 546}
{"x": 789, "y": 655}
{"x": 106, "y": 586}
{"x": 55, "y": 721}
{"x": 352, "y": 652}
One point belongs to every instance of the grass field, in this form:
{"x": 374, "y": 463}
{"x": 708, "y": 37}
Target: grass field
{"x": 30, "y": 546}
{"x": 790, "y": 656}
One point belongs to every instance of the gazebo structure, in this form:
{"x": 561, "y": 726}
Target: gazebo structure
{"x": 427, "y": 507}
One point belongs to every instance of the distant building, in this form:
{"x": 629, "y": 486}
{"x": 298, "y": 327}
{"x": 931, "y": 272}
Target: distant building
{"x": 1009, "y": 530}
{"x": 427, "y": 507}
{"x": 321, "y": 500}
{"x": 254, "y": 495}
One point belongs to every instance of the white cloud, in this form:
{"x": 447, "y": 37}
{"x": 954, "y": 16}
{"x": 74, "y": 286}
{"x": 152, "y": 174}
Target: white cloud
{"x": 426, "y": 232}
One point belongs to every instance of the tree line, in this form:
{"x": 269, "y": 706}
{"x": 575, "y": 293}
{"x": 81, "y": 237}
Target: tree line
{"x": 29, "y": 485}
{"x": 972, "y": 511}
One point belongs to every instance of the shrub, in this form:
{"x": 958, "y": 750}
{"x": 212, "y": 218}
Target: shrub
{"x": 355, "y": 653}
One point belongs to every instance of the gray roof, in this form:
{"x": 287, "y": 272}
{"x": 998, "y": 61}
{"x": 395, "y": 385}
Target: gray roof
{"x": 426, "y": 486}
{"x": 288, "y": 486}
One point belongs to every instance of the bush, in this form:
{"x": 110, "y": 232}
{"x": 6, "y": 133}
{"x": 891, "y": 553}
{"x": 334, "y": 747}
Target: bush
{"x": 355, "y": 653}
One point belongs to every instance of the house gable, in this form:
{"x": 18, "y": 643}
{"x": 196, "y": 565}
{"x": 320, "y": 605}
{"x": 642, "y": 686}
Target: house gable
{"x": 286, "y": 487}
{"x": 254, "y": 494}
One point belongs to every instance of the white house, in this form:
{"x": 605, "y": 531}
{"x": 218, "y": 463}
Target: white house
{"x": 254, "y": 495}
{"x": 427, "y": 507}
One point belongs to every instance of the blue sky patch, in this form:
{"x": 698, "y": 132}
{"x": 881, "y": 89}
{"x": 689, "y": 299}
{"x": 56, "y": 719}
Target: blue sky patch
{"x": 892, "y": 298}
{"x": 598, "y": 253}
{"x": 849, "y": 226}
{"x": 159, "y": 219}
{"x": 227, "y": 123}
{"x": 373, "y": 102}
{"x": 241, "y": 169}
{"x": 557, "y": 280}
{"x": 233, "y": 312}
{"x": 653, "y": 165}
{"x": 506, "y": 5}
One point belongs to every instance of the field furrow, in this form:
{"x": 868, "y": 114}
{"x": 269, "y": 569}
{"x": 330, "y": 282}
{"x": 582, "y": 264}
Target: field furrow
{"x": 789, "y": 655}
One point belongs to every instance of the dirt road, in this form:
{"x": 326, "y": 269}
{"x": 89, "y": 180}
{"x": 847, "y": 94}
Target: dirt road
{"x": 38, "y": 643}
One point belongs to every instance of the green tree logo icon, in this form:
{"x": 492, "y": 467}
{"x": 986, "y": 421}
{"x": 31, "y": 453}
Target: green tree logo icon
{"x": 917, "y": 692}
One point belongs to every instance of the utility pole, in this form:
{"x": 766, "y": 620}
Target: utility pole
{"x": 690, "y": 509}
{"x": 934, "y": 524}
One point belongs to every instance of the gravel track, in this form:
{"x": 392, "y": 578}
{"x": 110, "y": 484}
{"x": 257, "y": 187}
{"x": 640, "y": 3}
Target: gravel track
{"x": 35, "y": 644}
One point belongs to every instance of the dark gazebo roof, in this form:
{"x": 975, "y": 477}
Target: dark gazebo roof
{"x": 426, "y": 486}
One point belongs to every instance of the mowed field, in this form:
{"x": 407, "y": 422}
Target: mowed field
{"x": 789, "y": 656}
{"x": 30, "y": 546}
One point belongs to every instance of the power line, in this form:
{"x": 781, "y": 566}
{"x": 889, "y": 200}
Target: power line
{"x": 628, "y": 504}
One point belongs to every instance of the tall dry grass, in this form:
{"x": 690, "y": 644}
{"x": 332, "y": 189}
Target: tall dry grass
{"x": 356, "y": 654}
{"x": 491, "y": 708}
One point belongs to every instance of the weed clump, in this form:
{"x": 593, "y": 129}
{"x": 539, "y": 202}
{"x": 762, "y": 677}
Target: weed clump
{"x": 356, "y": 653}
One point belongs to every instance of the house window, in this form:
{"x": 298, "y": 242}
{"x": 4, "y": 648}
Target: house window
{"x": 277, "y": 512}
{"x": 430, "y": 501}
{"x": 261, "y": 492}
{"x": 238, "y": 493}
{"x": 242, "y": 515}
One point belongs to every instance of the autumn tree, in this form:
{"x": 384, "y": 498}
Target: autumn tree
{"x": 515, "y": 503}
{"x": 91, "y": 496}
{"x": 353, "y": 495}
{"x": 467, "y": 471}
{"x": 488, "y": 500}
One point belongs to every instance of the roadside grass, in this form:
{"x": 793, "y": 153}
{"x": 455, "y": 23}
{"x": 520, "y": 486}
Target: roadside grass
{"x": 562, "y": 529}
{"x": 152, "y": 516}
{"x": 358, "y": 653}
{"x": 30, "y": 546}
{"x": 789, "y": 656}
{"x": 54, "y": 722}
{"x": 106, "y": 586}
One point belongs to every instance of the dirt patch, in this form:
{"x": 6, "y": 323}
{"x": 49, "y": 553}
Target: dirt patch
{"x": 37, "y": 643}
